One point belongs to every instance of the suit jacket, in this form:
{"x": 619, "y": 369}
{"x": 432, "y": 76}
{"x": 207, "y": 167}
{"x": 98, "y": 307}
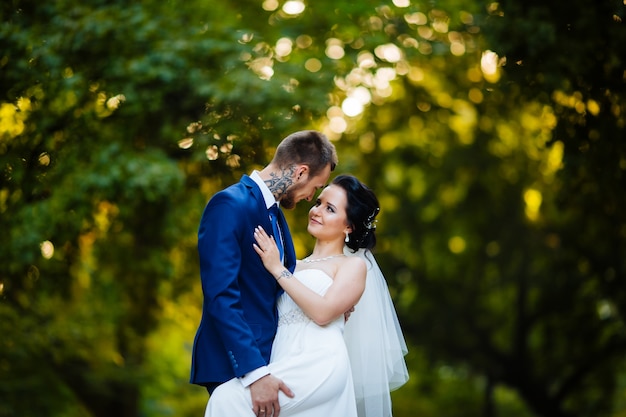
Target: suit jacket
{"x": 239, "y": 317}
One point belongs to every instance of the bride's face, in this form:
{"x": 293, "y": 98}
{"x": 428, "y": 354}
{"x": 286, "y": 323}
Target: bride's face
{"x": 327, "y": 218}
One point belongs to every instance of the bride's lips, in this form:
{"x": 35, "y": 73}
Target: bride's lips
{"x": 312, "y": 220}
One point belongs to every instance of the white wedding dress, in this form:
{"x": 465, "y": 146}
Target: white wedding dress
{"x": 311, "y": 360}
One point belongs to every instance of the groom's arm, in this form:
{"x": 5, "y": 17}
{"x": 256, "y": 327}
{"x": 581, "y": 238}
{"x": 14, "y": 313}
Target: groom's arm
{"x": 220, "y": 262}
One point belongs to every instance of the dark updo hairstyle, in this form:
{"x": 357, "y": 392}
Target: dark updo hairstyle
{"x": 361, "y": 212}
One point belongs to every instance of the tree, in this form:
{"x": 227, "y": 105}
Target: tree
{"x": 506, "y": 185}
{"x": 492, "y": 142}
{"x": 95, "y": 97}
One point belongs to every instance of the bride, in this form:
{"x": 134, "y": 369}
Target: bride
{"x": 334, "y": 367}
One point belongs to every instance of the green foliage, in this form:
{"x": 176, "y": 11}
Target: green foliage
{"x": 501, "y": 232}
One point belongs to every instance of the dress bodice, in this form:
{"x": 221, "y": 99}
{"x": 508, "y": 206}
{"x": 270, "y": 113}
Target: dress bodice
{"x": 315, "y": 279}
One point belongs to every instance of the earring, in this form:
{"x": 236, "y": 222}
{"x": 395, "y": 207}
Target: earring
{"x": 347, "y": 239}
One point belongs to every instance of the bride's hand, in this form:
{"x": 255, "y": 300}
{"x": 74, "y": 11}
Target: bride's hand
{"x": 266, "y": 247}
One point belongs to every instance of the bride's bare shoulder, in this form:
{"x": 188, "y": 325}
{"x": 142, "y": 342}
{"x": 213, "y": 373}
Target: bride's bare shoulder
{"x": 353, "y": 263}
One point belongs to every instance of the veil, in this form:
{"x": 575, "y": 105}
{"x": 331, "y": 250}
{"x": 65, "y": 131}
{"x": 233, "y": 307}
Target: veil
{"x": 375, "y": 344}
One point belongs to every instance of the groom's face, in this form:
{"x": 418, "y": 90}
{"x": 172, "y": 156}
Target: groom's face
{"x": 305, "y": 188}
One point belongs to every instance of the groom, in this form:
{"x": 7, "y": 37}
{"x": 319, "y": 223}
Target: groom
{"x": 239, "y": 316}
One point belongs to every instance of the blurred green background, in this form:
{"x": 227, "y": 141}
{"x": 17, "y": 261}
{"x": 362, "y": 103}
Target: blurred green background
{"x": 492, "y": 132}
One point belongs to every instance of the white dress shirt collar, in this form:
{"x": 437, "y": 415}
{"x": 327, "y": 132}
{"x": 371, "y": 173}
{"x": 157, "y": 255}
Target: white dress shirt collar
{"x": 267, "y": 194}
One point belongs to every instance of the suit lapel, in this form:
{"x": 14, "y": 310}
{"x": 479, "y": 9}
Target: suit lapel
{"x": 290, "y": 252}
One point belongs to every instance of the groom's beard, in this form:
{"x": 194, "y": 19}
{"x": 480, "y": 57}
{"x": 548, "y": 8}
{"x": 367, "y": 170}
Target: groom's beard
{"x": 289, "y": 199}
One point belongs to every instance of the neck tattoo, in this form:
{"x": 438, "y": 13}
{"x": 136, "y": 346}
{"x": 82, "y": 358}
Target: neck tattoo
{"x": 308, "y": 259}
{"x": 279, "y": 184}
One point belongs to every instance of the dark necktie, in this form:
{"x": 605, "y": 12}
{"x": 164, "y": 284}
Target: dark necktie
{"x": 276, "y": 230}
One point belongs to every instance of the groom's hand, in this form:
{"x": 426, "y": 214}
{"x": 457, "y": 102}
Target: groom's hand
{"x": 265, "y": 396}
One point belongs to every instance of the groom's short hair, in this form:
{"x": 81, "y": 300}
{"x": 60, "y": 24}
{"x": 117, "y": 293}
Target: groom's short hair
{"x": 308, "y": 147}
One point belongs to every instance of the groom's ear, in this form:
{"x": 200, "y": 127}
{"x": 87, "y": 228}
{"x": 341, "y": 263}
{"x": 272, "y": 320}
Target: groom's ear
{"x": 302, "y": 172}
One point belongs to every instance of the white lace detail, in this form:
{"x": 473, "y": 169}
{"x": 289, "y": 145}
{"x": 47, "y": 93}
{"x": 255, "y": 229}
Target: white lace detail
{"x": 293, "y": 316}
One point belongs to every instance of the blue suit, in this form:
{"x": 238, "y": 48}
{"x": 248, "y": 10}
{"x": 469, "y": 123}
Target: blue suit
{"x": 239, "y": 316}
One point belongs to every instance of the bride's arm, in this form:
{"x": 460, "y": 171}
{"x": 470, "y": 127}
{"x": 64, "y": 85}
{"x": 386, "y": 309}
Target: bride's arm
{"x": 345, "y": 291}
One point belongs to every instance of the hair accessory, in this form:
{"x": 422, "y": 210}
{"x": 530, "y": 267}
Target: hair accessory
{"x": 369, "y": 224}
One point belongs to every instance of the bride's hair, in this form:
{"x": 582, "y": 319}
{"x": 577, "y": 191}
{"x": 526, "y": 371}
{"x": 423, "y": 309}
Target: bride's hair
{"x": 361, "y": 211}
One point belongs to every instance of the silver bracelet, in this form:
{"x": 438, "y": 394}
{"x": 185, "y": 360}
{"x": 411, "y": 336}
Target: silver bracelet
{"x": 285, "y": 274}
